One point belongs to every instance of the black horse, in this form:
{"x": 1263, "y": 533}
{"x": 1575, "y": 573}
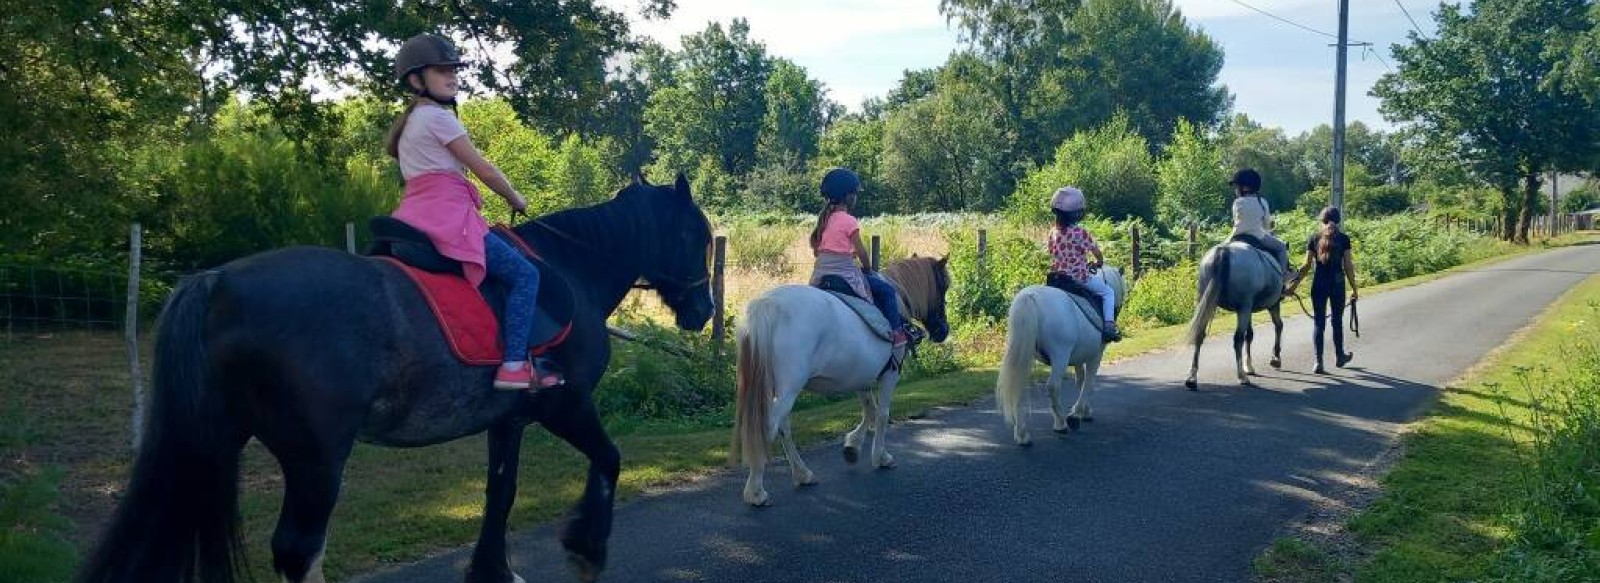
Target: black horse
{"x": 308, "y": 349}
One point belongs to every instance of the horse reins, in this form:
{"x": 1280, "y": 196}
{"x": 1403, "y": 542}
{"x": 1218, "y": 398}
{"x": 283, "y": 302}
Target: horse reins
{"x": 653, "y": 277}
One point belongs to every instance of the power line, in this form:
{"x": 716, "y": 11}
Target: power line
{"x": 1375, "y": 55}
{"x": 1414, "y": 25}
{"x": 1285, "y": 20}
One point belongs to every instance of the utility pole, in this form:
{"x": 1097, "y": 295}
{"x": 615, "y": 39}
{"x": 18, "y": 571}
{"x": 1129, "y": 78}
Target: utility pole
{"x": 1337, "y": 198}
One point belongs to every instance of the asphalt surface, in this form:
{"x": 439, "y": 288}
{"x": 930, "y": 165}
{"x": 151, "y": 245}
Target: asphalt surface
{"x": 1165, "y": 485}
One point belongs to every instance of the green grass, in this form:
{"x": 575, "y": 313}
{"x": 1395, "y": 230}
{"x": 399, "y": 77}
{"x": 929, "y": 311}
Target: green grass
{"x": 1472, "y": 497}
{"x": 396, "y": 505}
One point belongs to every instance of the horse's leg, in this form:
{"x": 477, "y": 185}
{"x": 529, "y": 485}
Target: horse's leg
{"x": 880, "y": 433}
{"x": 1081, "y": 410}
{"x": 852, "y": 440}
{"x": 489, "y": 563}
{"x": 1277, "y": 335}
{"x": 1241, "y": 346}
{"x": 755, "y": 490}
{"x": 311, "y": 477}
{"x": 803, "y": 476}
{"x": 585, "y": 533}
{"x": 1194, "y": 367}
{"x": 1058, "y": 377}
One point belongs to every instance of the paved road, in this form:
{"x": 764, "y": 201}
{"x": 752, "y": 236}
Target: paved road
{"x": 1166, "y": 484}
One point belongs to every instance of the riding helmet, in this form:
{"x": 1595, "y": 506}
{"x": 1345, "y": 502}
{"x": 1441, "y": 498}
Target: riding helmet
{"x": 423, "y": 51}
{"x": 1247, "y": 179}
{"x": 1067, "y": 199}
{"x": 839, "y": 183}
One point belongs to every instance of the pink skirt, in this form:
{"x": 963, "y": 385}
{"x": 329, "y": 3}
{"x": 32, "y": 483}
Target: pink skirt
{"x": 445, "y": 206}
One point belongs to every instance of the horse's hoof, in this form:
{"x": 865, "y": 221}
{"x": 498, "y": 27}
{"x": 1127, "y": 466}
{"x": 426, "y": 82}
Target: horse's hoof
{"x": 582, "y": 568}
{"x": 1244, "y": 382}
{"x": 1193, "y": 386}
{"x": 851, "y": 455}
{"x": 1073, "y": 423}
{"x": 1276, "y": 363}
{"x": 761, "y": 500}
{"x": 809, "y": 479}
{"x": 887, "y": 463}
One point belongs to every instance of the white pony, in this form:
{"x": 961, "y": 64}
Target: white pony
{"x": 1045, "y": 324}
{"x": 797, "y": 338}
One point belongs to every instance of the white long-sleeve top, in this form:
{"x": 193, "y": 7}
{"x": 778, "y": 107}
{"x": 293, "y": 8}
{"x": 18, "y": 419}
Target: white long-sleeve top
{"x": 1251, "y": 216}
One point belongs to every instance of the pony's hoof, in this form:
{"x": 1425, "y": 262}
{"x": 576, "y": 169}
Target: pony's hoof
{"x": 1191, "y": 385}
{"x": 582, "y": 568}
{"x": 760, "y": 500}
{"x": 1073, "y": 423}
{"x": 886, "y": 462}
{"x": 851, "y": 455}
{"x": 1245, "y": 382}
{"x": 1276, "y": 363}
{"x": 808, "y": 479}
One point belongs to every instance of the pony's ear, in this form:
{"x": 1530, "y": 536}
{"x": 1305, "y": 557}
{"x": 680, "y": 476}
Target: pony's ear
{"x": 682, "y": 186}
{"x": 943, "y": 261}
{"x": 913, "y": 255}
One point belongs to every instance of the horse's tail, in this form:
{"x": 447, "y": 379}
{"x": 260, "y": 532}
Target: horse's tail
{"x": 1022, "y": 343}
{"x": 178, "y": 520}
{"x": 753, "y": 403}
{"x": 1213, "y": 277}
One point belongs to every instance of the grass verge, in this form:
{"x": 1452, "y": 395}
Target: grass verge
{"x": 1500, "y": 482}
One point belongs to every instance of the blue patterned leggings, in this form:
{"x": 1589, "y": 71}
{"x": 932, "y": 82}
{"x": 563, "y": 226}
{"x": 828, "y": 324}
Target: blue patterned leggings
{"x": 506, "y": 264}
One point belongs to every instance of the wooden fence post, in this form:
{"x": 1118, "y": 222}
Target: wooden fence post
{"x": 1194, "y": 236}
{"x": 1136, "y": 259}
{"x": 876, "y": 243}
{"x": 719, "y": 264}
{"x": 130, "y": 331}
{"x": 350, "y": 238}
{"x": 983, "y": 247}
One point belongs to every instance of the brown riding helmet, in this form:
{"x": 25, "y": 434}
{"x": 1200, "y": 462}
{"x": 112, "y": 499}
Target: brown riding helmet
{"x": 423, "y": 51}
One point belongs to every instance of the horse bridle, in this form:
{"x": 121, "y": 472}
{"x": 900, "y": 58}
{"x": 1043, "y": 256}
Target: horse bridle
{"x": 655, "y": 278}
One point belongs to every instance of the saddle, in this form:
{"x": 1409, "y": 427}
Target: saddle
{"x": 1087, "y": 301}
{"x": 397, "y": 241}
{"x": 1282, "y": 261}
{"x": 869, "y": 313}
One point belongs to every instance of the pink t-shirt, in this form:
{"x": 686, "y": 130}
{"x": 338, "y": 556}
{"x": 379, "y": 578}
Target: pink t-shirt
{"x": 839, "y": 235}
{"x": 422, "y": 144}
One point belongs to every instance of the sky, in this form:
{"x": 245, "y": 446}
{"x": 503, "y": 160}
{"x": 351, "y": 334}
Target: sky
{"x": 1281, "y": 75}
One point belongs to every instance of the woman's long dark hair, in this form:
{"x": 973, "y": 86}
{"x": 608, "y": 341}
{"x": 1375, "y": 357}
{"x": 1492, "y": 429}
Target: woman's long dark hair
{"x": 1330, "y": 224}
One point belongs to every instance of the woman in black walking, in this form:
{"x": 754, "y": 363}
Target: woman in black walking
{"x": 1328, "y": 251}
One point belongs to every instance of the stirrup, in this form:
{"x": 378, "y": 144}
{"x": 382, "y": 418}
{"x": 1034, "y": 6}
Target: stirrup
{"x": 546, "y": 374}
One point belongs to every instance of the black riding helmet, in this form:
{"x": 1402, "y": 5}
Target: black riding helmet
{"x": 1247, "y": 179}
{"x": 840, "y": 183}
{"x": 420, "y": 52}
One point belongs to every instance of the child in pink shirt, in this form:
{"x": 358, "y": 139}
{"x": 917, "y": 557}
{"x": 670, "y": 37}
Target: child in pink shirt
{"x": 434, "y": 151}
{"x": 836, "y": 241}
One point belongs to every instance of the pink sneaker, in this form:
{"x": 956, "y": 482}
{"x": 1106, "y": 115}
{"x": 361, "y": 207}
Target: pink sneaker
{"x": 514, "y": 380}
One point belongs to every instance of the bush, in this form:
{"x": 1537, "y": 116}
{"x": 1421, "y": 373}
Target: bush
{"x": 1162, "y": 297}
{"x": 668, "y": 374}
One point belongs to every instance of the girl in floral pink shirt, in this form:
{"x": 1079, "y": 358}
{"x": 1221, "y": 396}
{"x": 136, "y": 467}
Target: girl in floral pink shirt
{"x": 1070, "y": 247}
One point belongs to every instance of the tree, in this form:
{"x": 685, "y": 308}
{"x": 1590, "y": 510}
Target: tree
{"x": 620, "y": 117}
{"x": 948, "y": 152}
{"x": 1062, "y": 65}
{"x": 1485, "y": 93}
{"x": 717, "y": 103}
{"x": 856, "y": 144}
{"x": 796, "y": 110}
{"x": 1111, "y": 164}
{"x": 1192, "y": 186}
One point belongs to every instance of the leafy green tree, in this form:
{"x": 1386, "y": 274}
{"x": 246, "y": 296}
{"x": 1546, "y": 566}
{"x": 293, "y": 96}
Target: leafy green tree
{"x": 717, "y": 104}
{"x": 1246, "y": 144}
{"x": 1111, "y": 164}
{"x": 948, "y": 152}
{"x": 1191, "y": 182}
{"x": 796, "y": 111}
{"x": 1485, "y": 93}
{"x": 856, "y": 144}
